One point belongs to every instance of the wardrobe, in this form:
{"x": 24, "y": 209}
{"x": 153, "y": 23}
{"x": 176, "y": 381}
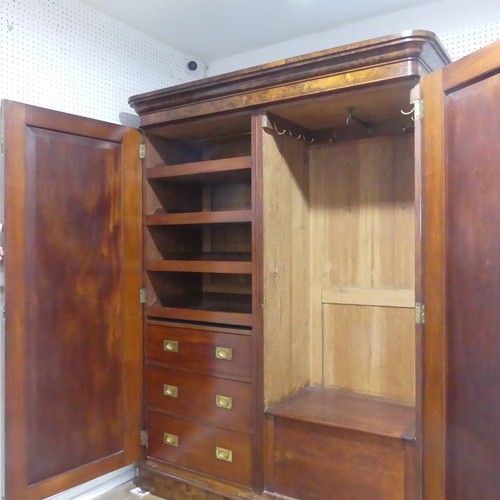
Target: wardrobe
{"x": 285, "y": 286}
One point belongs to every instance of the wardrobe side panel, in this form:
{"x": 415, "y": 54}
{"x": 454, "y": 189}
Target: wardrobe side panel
{"x": 286, "y": 267}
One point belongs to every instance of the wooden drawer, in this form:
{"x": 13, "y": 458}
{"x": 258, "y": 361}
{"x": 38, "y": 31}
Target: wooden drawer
{"x": 312, "y": 461}
{"x": 219, "y": 401}
{"x": 220, "y": 453}
{"x": 204, "y": 351}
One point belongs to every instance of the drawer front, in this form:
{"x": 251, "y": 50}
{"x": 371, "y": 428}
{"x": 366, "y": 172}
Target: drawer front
{"x": 203, "y": 448}
{"x": 208, "y": 352}
{"x": 312, "y": 461}
{"x": 215, "y": 400}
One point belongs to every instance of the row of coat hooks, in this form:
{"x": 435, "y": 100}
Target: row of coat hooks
{"x": 354, "y": 128}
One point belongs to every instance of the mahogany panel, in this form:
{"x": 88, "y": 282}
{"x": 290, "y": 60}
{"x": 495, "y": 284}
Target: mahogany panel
{"x": 209, "y": 316}
{"x": 216, "y": 217}
{"x": 314, "y": 461}
{"x": 473, "y": 291}
{"x": 460, "y": 278}
{"x": 200, "y": 266}
{"x": 230, "y": 169}
{"x": 431, "y": 440}
{"x": 196, "y": 350}
{"x": 196, "y": 448}
{"x": 201, "y": 397}
{"x": 73, "y": 354}
{"x": 75, "y": 333}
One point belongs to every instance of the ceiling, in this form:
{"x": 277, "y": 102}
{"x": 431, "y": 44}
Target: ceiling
{"x": 213, "y": 29}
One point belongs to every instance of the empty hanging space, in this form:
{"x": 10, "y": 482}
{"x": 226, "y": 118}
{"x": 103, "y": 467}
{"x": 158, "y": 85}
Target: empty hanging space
{"x": 198, "y": 222}
{"x": 339, "y": 342}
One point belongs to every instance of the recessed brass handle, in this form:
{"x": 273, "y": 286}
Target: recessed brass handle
{"x": 170, "y": 439}
{"x": 171, "y": 345}
{"x": 171, "y": 391}
{"x": 225, "y": 353}
{"x": 224, "y": 454}
{"x": 225, "y": 402}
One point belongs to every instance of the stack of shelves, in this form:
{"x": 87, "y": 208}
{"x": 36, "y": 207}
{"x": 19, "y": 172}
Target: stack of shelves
{"x": 199, "y": 275}
{"x": 202, "y": 227}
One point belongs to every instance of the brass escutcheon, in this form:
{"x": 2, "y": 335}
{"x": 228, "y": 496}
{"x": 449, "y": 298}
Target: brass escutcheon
{"x": 225, "y": 402}
{"x": 171, "y": 345}
{"x": 224, "y": 454}
{"x": 170, "y": 439}
{"x": 225, "y": 353}
{"x": 171, "y": 391}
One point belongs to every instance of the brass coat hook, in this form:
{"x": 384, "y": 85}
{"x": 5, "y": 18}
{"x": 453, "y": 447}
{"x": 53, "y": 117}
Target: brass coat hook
{"x": 408, "y": 113}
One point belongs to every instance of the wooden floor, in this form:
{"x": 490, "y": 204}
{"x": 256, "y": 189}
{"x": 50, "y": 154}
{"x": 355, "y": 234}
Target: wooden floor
{"x": 123, "y": 493}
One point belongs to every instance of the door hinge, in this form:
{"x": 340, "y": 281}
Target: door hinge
{"x": 144, "y": 438}
{"x": 419, "y": 313}
{"x": 142, "y": 296}
{"x": 142, "y": 151}
{"x": 418, "y": 112}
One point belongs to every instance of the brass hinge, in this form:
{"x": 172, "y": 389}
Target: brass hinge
{"x": 142, "y": 151}
{"x": 419, "y": 313}
{"x": 142, "y": 296}
{"x": 144, "y": 438}
{"x": 418, "y": 112}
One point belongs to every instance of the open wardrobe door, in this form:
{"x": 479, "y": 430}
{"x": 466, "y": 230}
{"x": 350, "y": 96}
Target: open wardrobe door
{"x": 461, "y": 278}
{"x": 73, "y": 319}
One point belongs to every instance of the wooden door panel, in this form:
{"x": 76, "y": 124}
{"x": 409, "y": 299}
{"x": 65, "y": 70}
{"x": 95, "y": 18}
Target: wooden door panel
{"x": 473, "y": 291}
{"x": 73, "y": 249}
{"x": 461, "y": 346}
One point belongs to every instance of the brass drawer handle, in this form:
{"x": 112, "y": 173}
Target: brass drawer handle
{"x": 223, "y": 454}
{"x": 225, "y": 402}
{"x": 171, "y": 345}
{"x": 225, "y": 353}
{"x": 171, "y": 391}
{"x": 170, "y": 439}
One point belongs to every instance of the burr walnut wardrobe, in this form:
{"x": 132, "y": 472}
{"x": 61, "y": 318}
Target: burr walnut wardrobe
{"x": 296, "y": 298}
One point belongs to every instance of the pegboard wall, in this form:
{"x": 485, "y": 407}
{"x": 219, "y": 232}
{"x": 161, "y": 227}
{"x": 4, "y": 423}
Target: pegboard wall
{"x": 459, "y": 43}
{"x": 63, "y": 55}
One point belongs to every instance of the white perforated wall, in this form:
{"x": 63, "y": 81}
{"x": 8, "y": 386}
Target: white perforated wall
{"x": 63, "y": 55}
{"x": 459, "y": 43}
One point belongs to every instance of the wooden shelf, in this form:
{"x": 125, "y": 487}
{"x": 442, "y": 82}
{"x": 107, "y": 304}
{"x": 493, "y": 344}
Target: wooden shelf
{"x": 160, "y": 218}
{"x": 200, "y": 266}
{"x": 232, "y": 309}
{"x": 347, "y": 410}
{"x": 204, "y": 172}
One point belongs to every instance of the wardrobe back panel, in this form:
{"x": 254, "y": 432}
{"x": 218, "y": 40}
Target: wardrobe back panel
{"x": 367, "y": 194}
{"x": 362, "y": 266}
{"x": 370, "y": 350}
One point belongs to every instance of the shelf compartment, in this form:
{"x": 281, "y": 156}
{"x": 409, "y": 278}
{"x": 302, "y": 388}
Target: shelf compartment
{"x": 208, "y": 265}
{"x": 204, "y": 172}
{"x": 224, "y": 298}
{"x": 200, "y": 192}
{"x": 207, "y": 242}
{"x": 216, "y": 308}
{"x": 161, "y": 218}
